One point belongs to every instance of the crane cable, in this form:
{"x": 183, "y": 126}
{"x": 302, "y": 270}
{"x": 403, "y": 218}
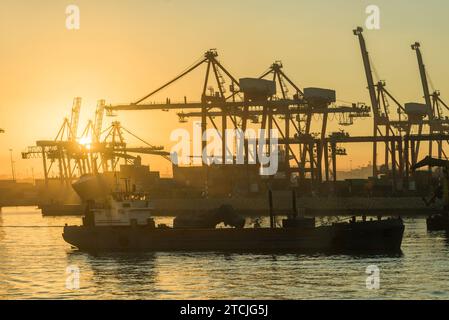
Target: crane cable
{"x": 429, "y": 78}
{"x": 374, "y": 69}
{"x": 181, "y": 73}
{"x": 141, "y": 140}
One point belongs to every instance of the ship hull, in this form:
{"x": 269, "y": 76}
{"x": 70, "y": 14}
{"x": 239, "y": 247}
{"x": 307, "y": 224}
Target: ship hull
{"x": 369, "y": 237}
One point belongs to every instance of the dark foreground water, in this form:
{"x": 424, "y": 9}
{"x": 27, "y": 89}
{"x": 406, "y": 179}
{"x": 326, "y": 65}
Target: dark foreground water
{"x": 34, "y": 261}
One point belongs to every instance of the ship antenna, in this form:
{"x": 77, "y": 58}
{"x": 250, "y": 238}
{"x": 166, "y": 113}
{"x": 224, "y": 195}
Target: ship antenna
{"x": 272, "y": 216}
{"x": 117, "y": 184}
{"x": 295, "y": 207}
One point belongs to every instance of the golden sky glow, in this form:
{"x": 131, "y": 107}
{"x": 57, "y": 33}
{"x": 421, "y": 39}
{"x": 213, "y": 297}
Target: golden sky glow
{"x": 124, "y": 49}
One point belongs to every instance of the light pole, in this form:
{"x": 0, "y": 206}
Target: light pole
{"x": 350, "y": 168}
{"x": 12, "y": 166}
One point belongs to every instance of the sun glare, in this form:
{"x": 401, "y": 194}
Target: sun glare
{"x": 86, "y": 142}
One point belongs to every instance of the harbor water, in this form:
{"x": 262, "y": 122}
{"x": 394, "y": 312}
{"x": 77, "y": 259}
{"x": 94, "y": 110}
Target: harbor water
{"x": 36, "y": 263}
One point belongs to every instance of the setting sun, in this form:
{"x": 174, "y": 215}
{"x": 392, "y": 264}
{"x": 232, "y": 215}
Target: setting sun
{"x": 86, "y": 142}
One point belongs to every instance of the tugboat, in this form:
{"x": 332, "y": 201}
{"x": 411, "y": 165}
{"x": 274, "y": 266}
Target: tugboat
{"x": 438, "y": 222}
{"x": 124, "y": 222}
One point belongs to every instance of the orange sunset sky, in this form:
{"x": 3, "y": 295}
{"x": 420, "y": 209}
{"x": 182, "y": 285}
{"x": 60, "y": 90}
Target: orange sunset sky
{"x": 125, "y": 49}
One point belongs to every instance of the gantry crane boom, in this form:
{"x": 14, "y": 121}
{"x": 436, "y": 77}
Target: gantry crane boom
{"x": 74, "y": 119}
{"x": 171, "y": 81}
{"x": 98, "y": 124}
{"x": 372, "y": 92}
{"x": 431, "y": 162}
{"x": 368, "y": 71}
{"x": 435, "y": 96}
{"x": 425, "y": 84}
{"x": 433, "y": 101}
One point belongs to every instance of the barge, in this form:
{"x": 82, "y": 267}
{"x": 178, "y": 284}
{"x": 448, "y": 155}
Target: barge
{"x": 124, "y": 222}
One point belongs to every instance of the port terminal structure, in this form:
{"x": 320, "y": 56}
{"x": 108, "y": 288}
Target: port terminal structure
{"x": 271, "y": 101}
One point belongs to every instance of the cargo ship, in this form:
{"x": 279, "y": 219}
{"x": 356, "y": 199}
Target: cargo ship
{"x": 123, "y": 221}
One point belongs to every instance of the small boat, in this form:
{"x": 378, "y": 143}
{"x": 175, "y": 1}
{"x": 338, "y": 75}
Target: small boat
{"x": 437, "y": 222}
{"x": 124, "y": 222}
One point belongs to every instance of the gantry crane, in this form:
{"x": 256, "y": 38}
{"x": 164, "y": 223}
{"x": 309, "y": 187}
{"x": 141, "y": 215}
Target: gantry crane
{"x": 215, "y": 99}
{"x": 242, "y": 108}
{"x": 438, "y": 122}
{"x": 75, "y": 156}
{"x": 91, "y": 137}
{"x": 313, "y": 147}
{"x": 418, "y": 116}
{"x": 382, "y": 125}
{"x": 63, "y": 151}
